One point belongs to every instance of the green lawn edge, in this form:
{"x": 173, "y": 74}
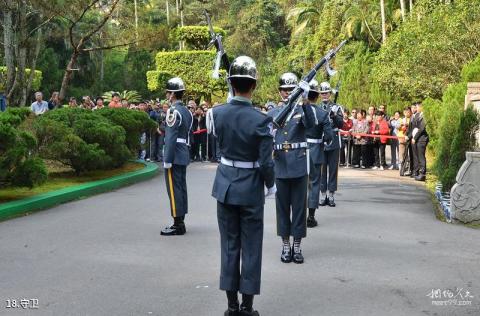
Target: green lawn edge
{"x": 42, "y": 201}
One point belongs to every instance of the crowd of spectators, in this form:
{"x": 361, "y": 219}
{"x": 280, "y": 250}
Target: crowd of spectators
{"x": 203, "y": 147}
{"x": 359, "y": 148}
{"x": 367, "y": 133}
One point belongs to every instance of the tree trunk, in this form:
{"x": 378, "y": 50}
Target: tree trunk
{"x": 411, "y": 6}
{"x": 14, "y": 91}
{"x": 33, "y": 65}
{"x": 22, "y": 55}
{"x": 402, "y": 9}
{"x": 8, "y": 44}
{"x": 68, "y": 74}
{"x": 384, "y": 30}
{"x": 182, "y": 44}
{"x": 136, "y": 22}
{"x": 168, "y": 12}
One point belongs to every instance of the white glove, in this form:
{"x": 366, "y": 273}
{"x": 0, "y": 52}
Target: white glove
{"x": 305, "y": 87}
{"x": 271, "y": 191}
{"x": 167, "y": 165}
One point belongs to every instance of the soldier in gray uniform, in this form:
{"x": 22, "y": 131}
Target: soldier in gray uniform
{"x": 245, "y": 138}
{"x": 290, "y": 157}
{"x": 176, "y": 155}
{"x": 329, "y": 171}
{"x": 316, "y": 137}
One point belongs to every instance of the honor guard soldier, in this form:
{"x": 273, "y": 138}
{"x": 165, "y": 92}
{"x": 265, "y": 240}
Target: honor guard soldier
{"x": 316, "y": 137}
{"x": 176, "y": 155}
{"x": 245, "y": 138}
{"x": 290, "y": 157}
{"x": 288, "y": 81}
{"x": 329, "y": 171}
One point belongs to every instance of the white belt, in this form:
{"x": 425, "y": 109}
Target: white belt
{"x": 315, "y": 140}
{"x": 335, "y": 130}
{"x": 240, "y": 164}
{"x": 181, "y": 140}
{"x": 288, "y": 146}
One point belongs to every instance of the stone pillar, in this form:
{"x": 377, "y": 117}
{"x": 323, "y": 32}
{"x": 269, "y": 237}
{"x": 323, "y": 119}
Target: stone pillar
{"x": 465, "y": 194}
{"x": 473, "y": 97}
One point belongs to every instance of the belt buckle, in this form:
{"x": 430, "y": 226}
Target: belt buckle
{"x": 287, "y": 146}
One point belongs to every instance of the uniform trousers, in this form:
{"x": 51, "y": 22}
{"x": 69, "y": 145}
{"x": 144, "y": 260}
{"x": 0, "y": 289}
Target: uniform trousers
{"x": 414, "y": 158}
{"x": 291, "y": 204}
{"x": 329, "y": 176}
{"x": 176, "y": 182}
{"x": 241, "y": 239}
{"x": 420, "y": 148}
{"x": 314, "y": 185}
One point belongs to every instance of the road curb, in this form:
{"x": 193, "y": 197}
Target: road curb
{"x": 47, "y": 200}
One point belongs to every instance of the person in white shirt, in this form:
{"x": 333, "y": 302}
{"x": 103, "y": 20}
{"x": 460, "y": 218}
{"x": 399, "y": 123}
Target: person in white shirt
{"x": 39, "y": 106}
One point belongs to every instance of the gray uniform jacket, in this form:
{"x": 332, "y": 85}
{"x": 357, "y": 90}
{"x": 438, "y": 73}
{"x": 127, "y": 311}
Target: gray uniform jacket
{"x": 336, "y": 118}
{"x": 292, "y": 163}
{"x": 177, "y": 135}
{"x": 322, "y": 130}
{"x": 243, "y": 134}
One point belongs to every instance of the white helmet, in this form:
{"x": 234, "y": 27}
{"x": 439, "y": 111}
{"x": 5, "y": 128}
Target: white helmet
{"x": 325, "y": 87}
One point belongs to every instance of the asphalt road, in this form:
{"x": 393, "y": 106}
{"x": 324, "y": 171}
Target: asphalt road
{"x": 379, "y": 252}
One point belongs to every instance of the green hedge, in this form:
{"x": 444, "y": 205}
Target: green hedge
{"x": 196, "y": 37}
{"x": 194, "y": 67}
{"x": 37, "y": 78}
{"x": 86, "y": 140}
{"x": 156, "y": 80}
{"x": 19, "y": 164}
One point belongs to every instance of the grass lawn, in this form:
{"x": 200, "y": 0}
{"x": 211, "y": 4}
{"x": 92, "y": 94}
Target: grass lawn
{"x": 59, "y": 179}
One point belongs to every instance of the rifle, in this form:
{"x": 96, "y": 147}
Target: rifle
{"x": 282, "y": 116}
{"x": 221, "y": 54}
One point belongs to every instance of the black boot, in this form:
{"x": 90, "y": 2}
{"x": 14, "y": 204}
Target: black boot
{"x": 324, "y": 201}
{"x": 286, "y": 256}
{"x": 233, "y": 304}
{"x": 421, "y": 177}
{"x": 297, "y": 251}
{"x": 178, "y": 227}
{"x": 311, "y": 221}
{"x": 331, "y": 201}
{"x": 246, "y": 309}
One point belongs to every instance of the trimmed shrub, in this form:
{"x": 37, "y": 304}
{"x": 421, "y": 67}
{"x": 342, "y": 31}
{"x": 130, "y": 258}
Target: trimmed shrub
{"x": 18, "y": 165}
{"x": 194, "y": 67}
{"x": 58, "y": 142}
{"x": 86, "y": 140}
{"x": 463, "y": 141}
{"x": 30, "y": 172}
{"x": 196, "y": 37}
{"x": 133, "y": 122}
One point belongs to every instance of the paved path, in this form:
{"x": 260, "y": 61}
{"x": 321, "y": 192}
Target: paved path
{"x": 379, "y": 252}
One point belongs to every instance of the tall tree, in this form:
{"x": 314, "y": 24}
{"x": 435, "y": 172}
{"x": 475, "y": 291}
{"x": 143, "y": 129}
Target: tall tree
{"x": 402, "y": 9}
{"x": 384, "y": 28}
{"x": 80, "y": 31}
{"x": 22, "y": 37}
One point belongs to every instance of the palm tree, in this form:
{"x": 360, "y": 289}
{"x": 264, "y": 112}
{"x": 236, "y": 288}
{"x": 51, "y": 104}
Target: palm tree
{"x": 305, "y": 15}
{"x": 359, "y": 22}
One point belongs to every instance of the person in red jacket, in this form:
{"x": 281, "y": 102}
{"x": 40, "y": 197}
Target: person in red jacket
{"x": 346, "y": 150}
{"x": 380, "y": 128}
